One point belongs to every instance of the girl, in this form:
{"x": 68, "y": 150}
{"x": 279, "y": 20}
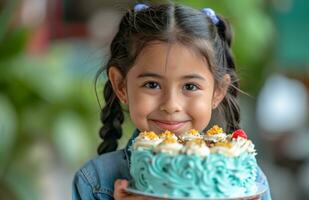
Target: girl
{"x": 172, "y": 66}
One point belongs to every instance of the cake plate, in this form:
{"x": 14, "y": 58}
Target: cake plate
{"x": 261, "y": 189}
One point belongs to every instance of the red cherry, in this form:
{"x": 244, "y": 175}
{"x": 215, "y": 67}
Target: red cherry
{"x": 239, "y": 133}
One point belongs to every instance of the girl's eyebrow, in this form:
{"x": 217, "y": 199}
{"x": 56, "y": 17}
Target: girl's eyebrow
{"x": 154, "y": 75}
{"x": 194, "y": 76}
{"x": 150, "y": 74}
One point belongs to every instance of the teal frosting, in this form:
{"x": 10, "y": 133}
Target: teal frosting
{"x": 192, "y": 176}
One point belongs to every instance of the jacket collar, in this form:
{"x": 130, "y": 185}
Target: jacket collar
{"x": 129, "y": 144}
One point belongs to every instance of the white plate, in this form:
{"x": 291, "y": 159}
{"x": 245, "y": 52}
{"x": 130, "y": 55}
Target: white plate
{"x": 261, "y": 189}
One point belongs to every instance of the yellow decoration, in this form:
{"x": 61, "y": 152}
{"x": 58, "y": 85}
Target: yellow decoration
{"x": 198, "y": 141}
{"x": 193, "y": 132}
{"x": 150, "y": 135}
{"x": 223, "y": 144}
{"x": 169, "y": 140}
{"x": 167, "y": 134}
{"x": 215, "y": 130}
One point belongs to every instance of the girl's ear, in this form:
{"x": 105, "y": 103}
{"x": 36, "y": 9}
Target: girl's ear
{"x": 118, "y": 84}
{"x": 221, "y": 91}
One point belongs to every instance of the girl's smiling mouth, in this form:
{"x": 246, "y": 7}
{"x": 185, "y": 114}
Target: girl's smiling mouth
{"x": 169, "y": 125}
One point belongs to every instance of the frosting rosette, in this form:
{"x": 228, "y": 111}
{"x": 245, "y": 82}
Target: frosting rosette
{"x": 190, "y": 135}
{"x": 223, "y": 147}
{"x": 169, "y": 145}
{"x": 146, "y": 140}
{"x": 233, "y": 147}
{"x": 167, "y": 134}
{"x": 241, "y": 145}
{"x": 215, "y": 134}
{"x": 196, "y": 147}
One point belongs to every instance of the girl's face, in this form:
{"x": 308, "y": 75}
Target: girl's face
{"x": 170, "y": 87}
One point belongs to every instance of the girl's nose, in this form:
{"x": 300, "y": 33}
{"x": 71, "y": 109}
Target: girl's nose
{"x": 171, "y": 103}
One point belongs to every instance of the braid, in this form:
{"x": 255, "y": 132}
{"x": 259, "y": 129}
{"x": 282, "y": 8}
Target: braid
{"x": 230, "y": 105}
{"x": 112, "y": 117}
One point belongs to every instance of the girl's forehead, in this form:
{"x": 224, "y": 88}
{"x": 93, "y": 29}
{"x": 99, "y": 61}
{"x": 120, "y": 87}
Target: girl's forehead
{"x": 170, "y": 57}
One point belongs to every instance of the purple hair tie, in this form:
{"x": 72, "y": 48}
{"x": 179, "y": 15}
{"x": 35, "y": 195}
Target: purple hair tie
{"x": 140, "y": 6}
{"x": 211, "y": 14}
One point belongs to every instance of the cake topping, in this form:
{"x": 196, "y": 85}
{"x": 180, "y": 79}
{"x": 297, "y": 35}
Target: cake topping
{"x": 215, "y": 130}
{"x": 193, "y": 143}
{"x": 150, "y": 135}
{"x": 168, "y": 134}
{"x": 196, "y": 147}
{"x": 241, "y": 145}
{"x": 169, "y": 140}
{"x": 169, "y": 145}
{"x": 225, "y": 144}
{"x": 190, "y": 135}
{"x": 146, "y": 140}
{"x": 193, "y": 132}
{"x": 215, "y": 134}
{"x": 239, "y": 133}
{"x": 197, "y": 141}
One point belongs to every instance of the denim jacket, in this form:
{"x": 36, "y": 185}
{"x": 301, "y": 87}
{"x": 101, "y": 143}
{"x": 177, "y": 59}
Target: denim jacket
{"x": 95, "y": 180}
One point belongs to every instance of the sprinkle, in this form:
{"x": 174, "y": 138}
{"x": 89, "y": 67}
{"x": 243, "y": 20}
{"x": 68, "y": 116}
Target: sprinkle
{"x": 215, "y": 130}
{"x": 193, "y": 132}
{"x": 170, "y": 140}
{"x": 167, "y": 134}
{"x": 197, "y": 141}
{"x": 150, "y": 135}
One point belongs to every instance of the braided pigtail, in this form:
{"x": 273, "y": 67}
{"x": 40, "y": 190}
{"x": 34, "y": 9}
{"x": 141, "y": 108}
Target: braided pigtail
{"x": 229, "y": 104}
{"x": 112, "y": 117}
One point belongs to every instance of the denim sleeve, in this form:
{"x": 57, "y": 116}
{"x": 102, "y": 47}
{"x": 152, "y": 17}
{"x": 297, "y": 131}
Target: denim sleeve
{"x": 83, "y": 190}
{"x": 261, "y": 178}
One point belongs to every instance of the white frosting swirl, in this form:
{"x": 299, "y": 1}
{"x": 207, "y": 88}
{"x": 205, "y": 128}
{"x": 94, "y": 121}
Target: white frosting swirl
{"x": 241, "y": 145}
{"x": 215, "y": 138}
{"x": 168, "y": 134}
{"x": 237, "y": 147}
{"x": 196, "y": 147}
{"x": 221, "y": 150}
{"x": 169, "y": 146}
{"x": 190, "y": 135}
{"x": 146, "y": 140}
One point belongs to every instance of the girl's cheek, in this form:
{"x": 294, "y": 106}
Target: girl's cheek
{"x": 142, "y": 105}
{"x": 200, "y": 110}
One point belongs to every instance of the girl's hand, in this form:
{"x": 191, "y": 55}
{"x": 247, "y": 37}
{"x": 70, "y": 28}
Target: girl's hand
{"x": 120, "y": 193}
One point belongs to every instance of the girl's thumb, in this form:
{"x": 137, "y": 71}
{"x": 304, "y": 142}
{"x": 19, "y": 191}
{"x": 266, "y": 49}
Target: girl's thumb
{"x": 121, "y": 184}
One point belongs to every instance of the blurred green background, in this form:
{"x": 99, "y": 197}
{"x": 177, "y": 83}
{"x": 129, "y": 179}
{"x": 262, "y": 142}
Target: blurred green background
{"x": 50, "y": 51}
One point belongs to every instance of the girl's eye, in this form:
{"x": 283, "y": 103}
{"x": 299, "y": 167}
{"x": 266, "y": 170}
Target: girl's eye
{"x": 152, "y": 85}
{"x": 190, "y": 87}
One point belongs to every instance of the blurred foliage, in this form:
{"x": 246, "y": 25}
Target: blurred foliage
{"x": 41, "y": 102}
{"x": 253, "y": 30}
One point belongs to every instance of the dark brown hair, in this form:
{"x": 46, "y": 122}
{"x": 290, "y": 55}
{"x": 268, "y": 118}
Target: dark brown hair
{"x": 168, "y": 23}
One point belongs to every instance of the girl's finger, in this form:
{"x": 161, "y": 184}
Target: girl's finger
{"x": 119, "y": 187}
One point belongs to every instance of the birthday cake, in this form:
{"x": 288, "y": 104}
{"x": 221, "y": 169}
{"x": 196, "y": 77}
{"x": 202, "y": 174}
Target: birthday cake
{"x": 208, "y": 165}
